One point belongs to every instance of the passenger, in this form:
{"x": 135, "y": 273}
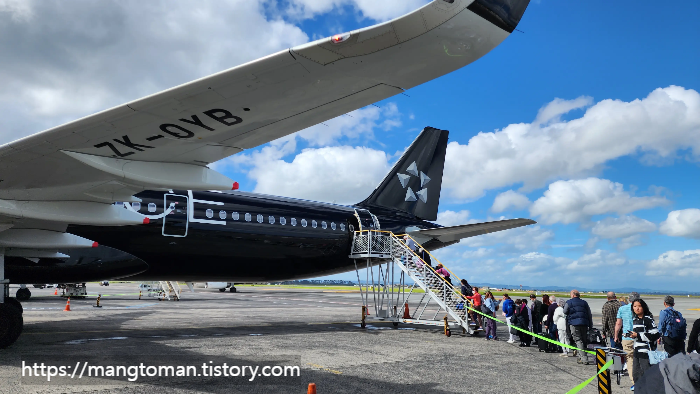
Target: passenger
{"x": 559, "y": 322}
{"x": 466, "y": 289}
{"x": 522, "y": 321}
{"x": 694, "y": 340}
{"x": 544, "y": 309}
{"x": 580, "y": 320}
{"x": 610, "y": 309}
{"x": 490, "y": 307}
{"x": 530, "y": 322}
{"x": 623, "y": 301}
{"x": 445, "y": 274}
{"x": 425, "y": 256}
{"x": 476, "y": 302}
{"x": 551, "y": 325}
{"x": 645, "y": 334}
{"x": 509, "y": 313}
{"x": 410, "y": 243}
{"x": 536, "y": 312}
{"x": 623, "y": 327}
{"x": 673, "y": 328}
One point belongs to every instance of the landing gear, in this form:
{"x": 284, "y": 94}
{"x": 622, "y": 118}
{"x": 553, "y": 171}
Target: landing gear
{"x": 222, "y": 290}
{"x": 232, "y": 289}
{"x": 23, "y": 294}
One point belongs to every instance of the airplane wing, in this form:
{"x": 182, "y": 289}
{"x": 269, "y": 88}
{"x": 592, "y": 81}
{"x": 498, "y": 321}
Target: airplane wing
{"x": 71, "y": 174}
{"x": 450, "y": 235}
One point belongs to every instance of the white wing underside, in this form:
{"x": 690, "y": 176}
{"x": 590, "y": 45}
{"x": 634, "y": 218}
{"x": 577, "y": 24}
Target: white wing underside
{"x": 165, "y": 141}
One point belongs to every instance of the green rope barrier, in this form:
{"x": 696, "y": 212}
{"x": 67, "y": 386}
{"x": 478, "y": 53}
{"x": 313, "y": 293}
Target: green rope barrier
{"x": 587, "y": 382}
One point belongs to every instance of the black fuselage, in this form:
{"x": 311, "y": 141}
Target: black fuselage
{"x": 231, "y": 236}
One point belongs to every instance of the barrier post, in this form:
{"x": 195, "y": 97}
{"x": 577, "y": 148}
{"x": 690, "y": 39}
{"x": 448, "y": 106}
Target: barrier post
{"x": 603, "y": 377}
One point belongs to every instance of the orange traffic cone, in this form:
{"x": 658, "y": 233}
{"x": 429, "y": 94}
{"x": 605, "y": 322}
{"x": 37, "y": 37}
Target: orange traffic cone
{"x": 406, "y": 314}
{"x": 55, "y": 292}
{"x": 312, "y": 388}
{"x": 67, "y": 305}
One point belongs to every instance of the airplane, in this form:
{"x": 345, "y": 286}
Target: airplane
{"x": 127, "y": 192}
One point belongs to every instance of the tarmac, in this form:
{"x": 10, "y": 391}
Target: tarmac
{"x": 316, "y": 330}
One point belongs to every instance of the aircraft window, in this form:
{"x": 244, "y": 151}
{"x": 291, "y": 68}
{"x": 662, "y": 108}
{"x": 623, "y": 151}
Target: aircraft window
{"x": 136, "y": 206}
{"x": 283, "y": 221}
{"x": 151, "y": 207}
{"x": 248, "y": 217}
{"x": 351, "y": 228}
{"x": 222, "y": 215}
{"x": 272, "y": 220}
{"x": 342, "y": 227}
{"x": 332, "y": 226}
{"x": 324, "y": 225}
{"x": 235, "y": 216}
{"x": 303, "y": 222}
{"x": 314, "y": 224}
{"x": 210, "y": 213}
{"x": 260, "y": 218}
{"x": 294, "y": 221}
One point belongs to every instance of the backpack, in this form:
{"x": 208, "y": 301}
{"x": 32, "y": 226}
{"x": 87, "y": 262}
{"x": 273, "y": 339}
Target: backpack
{"x": 677, "y": 326}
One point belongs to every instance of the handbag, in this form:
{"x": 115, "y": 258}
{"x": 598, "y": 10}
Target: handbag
{"x": 656, "y": 356}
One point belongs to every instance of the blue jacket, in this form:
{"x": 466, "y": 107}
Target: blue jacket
{"x": 578, "y": 313}
{"x": 508, "y": 307}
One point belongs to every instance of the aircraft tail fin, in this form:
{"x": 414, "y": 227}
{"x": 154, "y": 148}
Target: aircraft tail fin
{"x": 413, "y": 185}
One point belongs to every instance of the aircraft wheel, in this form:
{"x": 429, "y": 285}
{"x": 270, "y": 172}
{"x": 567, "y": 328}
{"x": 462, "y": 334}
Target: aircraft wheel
{"x": 11, "y": 324}
{"x": 15, "y": 303}
{"x": 396, "y": 324}
{"x": 232, "y": 289}
{"x": 222, "y": 290}
{"x": 23, "y": 294}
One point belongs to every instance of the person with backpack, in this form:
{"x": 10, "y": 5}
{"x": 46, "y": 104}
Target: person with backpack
{"x": 508, "y": 313}
{"x": 673, "y": 328}
{"x": 694, "y": 340}
{"x": 425, "y": 256}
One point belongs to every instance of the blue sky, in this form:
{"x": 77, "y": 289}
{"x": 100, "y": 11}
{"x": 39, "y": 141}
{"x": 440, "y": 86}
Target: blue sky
{"x": 587, "y": 120}
{"x": 621, "y": 50}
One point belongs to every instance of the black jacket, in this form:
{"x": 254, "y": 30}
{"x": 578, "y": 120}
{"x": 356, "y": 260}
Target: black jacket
{"x": 521, "y": 317}
{"x": 694, "y": 338}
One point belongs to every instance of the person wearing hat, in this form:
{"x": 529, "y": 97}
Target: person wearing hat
{"x": 623, "y": 329}
{"x": 673, "y": 328}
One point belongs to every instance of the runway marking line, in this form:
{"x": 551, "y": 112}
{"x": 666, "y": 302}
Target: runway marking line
{"x": 322, "y": 368}
{"x": 694, "y": 309}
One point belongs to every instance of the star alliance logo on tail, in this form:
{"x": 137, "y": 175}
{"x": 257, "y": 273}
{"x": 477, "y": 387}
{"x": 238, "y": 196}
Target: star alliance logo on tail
{"x": 424, "y": 179}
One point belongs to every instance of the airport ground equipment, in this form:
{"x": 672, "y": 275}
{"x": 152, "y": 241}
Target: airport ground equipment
{"x": 75, "y": 290}
{"x": 603, "y": 356}
{"x": 385, "y": 254}
{"x": 171, "y": 290}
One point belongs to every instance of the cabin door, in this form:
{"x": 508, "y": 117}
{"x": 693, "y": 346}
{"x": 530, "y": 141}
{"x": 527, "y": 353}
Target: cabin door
{"x": 176, "y": 222}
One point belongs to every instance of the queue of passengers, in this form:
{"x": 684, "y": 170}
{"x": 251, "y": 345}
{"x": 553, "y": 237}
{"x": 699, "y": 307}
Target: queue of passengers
{"x": 628, "y": 324}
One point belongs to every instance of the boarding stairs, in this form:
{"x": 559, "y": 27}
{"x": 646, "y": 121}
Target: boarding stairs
{"x": 171, "y": 290}
{"x": 382, "y": 252}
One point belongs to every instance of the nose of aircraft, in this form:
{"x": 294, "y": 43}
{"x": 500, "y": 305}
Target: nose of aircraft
{"x": 505, "y": 14}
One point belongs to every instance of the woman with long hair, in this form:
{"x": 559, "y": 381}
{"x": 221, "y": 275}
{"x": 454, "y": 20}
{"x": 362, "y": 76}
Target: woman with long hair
{"x": 489, "y": 308}
{"x": 522, "y": 321}
{"x": 645, "y": 335}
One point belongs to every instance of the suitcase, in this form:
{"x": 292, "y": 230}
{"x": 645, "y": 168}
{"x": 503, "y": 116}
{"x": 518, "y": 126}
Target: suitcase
{"x": 545, "y": 346}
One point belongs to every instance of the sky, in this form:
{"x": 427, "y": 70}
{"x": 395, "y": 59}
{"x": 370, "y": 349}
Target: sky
{"x": 586, "y": 120}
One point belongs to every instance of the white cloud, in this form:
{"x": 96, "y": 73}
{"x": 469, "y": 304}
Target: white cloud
{"x": 379, "y": 10}
{"x": 676, "y": 263}
{"x": 68, "y": 59}
{"x": 477, "y": 254}
{"x": 534, "y": 263}
{"x": 657, "y": 127}
{"x": 519, "y": 239}
{"x": 509, "y": 199}
{"x": 577, "y": 200}
{"x": 622, "y": 227}
{"x": 685, "y": 223}
{"x": 356, "y": 124}
{"x": 553, "y": 111}
{"x": 452, "y": 218}
{"x": 20, "y": 10}
{"x": 599, "y": 259}
{"x": 342, "y": 174}
{"x": 630, "y": 242}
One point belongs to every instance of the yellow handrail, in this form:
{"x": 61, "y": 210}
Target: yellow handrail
{"x": 399, "y": 237}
